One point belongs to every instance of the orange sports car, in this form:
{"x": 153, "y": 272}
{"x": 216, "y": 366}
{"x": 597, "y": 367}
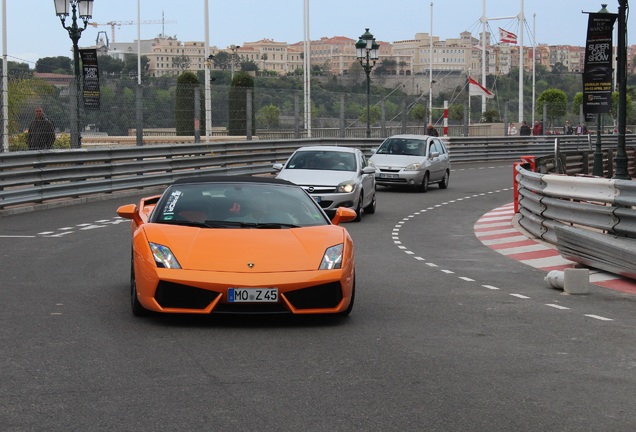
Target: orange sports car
{"x": 230, "y": 244}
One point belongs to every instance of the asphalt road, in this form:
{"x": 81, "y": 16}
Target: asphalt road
{"x": 446, "y": 335}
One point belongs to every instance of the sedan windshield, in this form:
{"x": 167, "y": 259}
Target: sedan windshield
{"x": 237, "y": 205}
{"x": 403, "y": 146}
{"x": 322, "y": 160}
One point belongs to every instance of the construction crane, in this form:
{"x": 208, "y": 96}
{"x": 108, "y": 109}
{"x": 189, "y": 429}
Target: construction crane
{"x": 114, "y": 24}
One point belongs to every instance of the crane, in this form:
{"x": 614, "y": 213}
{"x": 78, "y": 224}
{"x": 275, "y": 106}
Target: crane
{"x": 114, "y": 24}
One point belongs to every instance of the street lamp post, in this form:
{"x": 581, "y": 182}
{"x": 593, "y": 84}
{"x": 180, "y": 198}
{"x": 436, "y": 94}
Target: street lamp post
{"x": 367, "y": 53}
{"x": 83, "y": 9}
{"x": 233, "y": 48}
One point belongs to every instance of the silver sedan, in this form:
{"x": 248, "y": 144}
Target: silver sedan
{"x": 333, "y": 176}
{"x": 412, "y": 160}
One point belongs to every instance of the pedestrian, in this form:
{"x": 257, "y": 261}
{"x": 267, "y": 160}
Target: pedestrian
{"x": 41, "y": 134}
{"x": 537, "y": 129}
{"x": 512, "y": 130}
{"x": 431, "y": 131}
{"x": 524, "y": 130}
{"x": 567, "y": 128}
{"x": 579, "y": 129}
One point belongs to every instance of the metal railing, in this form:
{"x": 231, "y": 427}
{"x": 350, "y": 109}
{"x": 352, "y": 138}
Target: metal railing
{"x": 590, "y": 220}
{"x": 33, "y": 177}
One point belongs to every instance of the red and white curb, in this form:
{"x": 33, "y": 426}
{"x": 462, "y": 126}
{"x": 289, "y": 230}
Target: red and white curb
{"x": 496, "y": 230}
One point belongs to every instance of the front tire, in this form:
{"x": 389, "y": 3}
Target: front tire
{"x": 359, "y": 208}
{"x": 349, "y": 308}
{"x": 370, "y": 209}
{"x": 444, "y": 183}
{"x": 137, "y": 309}
{"x": 424, "y": 185}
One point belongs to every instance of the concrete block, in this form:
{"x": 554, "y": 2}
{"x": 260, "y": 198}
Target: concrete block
{"x": 576, "y": 281}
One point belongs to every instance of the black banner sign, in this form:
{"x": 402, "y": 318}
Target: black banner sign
{"x": 90, "y": 90}
{"x": 597, "y": 72}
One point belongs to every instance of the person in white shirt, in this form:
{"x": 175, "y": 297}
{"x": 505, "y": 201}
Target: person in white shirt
{"x": 512, "y": 130}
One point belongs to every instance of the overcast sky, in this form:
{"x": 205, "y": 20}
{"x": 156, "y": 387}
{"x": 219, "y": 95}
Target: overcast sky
{"x": 33, "y": 31}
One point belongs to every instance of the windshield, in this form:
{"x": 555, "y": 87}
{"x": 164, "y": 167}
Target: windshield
{"x": 403, "y": 146}
{"x": 237, "y": 205}
{"x": 322, "y": 160}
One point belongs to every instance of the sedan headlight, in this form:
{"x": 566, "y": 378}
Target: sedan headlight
{"x": 346, "y": 187}
{"x": 413, "y": 167}
{"x": 332, "y": 258}
{"x": 163, "y": 256}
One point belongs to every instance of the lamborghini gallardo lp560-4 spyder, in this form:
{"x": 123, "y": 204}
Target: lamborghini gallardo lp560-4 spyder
{"x": 231, "y": 244}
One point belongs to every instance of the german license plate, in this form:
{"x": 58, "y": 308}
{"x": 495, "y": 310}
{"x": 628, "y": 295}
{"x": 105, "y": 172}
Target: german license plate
{"x": 252, "y": 295}
{"x": 389, "y": 176}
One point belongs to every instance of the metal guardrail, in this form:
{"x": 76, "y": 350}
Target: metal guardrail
{"x": 590, "y": 220}
{"x": 39, "y": 176}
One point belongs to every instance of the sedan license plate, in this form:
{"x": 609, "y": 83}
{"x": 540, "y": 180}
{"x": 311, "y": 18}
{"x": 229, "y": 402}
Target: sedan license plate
{"x": 388, "y": 176}
{"x": 252, "y": 295}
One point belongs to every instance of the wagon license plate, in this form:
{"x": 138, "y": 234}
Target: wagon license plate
{"x": 388, "y": 176}
{"x": 252, "y": 295}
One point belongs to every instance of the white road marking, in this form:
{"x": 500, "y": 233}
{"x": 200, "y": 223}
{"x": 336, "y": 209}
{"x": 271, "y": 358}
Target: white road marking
{"x": 598, "y": 317}
{"x": 557, "y": 306}
{"x": 521, "y": 296}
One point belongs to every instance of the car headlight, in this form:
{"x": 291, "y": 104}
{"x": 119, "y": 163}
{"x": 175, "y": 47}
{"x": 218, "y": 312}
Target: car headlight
{"x": 371, "y": 163}
{"x": 332, "y": 258}
{"x": 346, "y": 187}
{"x": 413, "y": 167}
{"x": 163, "y": 256}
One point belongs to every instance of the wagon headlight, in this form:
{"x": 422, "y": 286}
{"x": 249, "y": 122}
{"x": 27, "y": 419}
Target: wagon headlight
{"x": 332, "y": 258}
{"x": 163, "y": 256}
{"x": 413, "y": 167}
{"x": 346, "y": 187}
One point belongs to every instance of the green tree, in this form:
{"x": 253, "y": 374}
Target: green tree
{"x": 184, "y": 103}
{"x": 456, "y": 112}
{"x": 418, "y": 112}
{"x": 59, "y": 64}
{"x": 237, "y": 104}
{"x": 268, "y": 117}
{"x": 577, "y": 101}
{"x": 557, "y": 104}
{"x": 182, "y": 62}
{"x": 222, "y": 60}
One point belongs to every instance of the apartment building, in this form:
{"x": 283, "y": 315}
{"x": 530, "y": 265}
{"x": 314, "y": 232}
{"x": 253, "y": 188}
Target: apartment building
{"x": 169, "y": 56}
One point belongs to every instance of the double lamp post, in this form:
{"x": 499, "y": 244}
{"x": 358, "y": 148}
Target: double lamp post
{"x": 367, "y": 53}
{"x": 84, "y": 10}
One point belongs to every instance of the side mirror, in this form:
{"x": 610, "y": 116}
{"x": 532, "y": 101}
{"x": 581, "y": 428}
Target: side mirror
{"x": 129, "y": 211}
{"x": 278, "y": 166}
{"x": 368, "y": 170}
{"x": 434, "y": 155}
{"x": 343, "y": 214}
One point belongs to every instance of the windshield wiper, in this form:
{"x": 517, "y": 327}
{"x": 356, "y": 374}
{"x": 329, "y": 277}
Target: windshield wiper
{"x": 185, "y": 223}
{"x": 275, "y": 225}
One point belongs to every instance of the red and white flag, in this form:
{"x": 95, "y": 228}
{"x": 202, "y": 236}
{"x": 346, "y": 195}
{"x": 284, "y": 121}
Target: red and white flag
{"x": 507, "y": 37}
{"x": 476, "y": 89}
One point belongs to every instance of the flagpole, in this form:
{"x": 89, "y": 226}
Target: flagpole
{"x": 522, "y": 20}
{"x": 534, "y": 61}
{"x": 430, "y": 71}
{"x": 484, "y": 21}
{"x": 468, "y": 84}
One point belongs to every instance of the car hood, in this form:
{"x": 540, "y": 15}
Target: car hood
{"x": 230, "y": 250}
{"x": 398, "y": 161}
{"x": 316, "y": 177}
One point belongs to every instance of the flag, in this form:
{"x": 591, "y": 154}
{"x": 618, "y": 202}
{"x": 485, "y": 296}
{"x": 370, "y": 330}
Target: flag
{"x": 476, "y": 89}
{"x": 507, "y": 37}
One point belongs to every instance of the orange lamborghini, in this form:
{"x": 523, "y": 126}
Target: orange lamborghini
{"x": 230, "y": 244}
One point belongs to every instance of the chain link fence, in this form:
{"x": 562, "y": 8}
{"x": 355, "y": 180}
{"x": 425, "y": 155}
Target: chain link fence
{"x": 274, "y": 112}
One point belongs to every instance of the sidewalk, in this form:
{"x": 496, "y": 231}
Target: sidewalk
{"x": 497, "y": 230}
